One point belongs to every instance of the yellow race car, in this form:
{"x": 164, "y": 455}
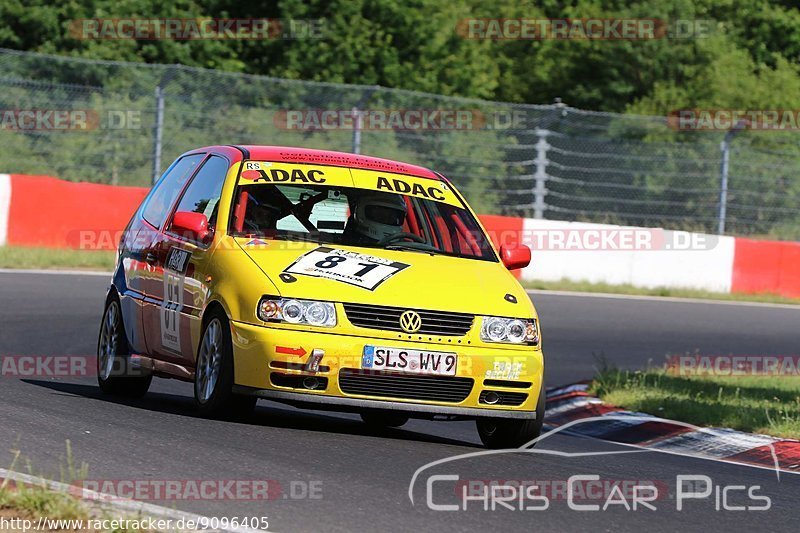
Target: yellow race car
{"x": 323, "y": 280}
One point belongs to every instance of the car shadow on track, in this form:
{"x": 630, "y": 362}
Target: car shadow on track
{"x": 267, "y": 414}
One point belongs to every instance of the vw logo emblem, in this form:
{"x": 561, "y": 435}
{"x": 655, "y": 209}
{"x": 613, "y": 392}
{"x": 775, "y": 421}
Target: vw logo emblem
{"x": 410, "y": 321}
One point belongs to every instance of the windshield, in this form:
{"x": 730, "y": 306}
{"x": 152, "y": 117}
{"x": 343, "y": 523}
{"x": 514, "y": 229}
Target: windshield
{"x": 357, "y": 217}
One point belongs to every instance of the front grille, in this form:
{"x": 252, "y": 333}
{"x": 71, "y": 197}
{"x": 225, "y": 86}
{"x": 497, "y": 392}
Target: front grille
{"x": 506, "y": 398}
{"x": 297, "y": 381}
{"x": 404, "y": 386}
{"x": 388, "y": 318}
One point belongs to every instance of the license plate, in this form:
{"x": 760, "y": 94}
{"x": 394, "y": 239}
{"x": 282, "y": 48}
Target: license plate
{"x": 409, "y": 360}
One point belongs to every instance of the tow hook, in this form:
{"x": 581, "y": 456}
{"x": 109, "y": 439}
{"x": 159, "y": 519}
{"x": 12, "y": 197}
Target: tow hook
{"x": 314, "y": 360}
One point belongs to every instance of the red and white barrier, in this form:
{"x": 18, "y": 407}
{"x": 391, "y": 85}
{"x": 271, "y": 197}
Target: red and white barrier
{"x": 5, "y": 202}
{"x": 45, "y": 211}
{"x": 599, "y": 253}
{"x": 650, "y": 257}
{"x": 766, "y": 266}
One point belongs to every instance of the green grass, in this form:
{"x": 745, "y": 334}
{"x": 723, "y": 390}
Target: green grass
{"x": 755, "y": 404}
{"x": 39, "y": 500}
{"x": 585, "y": 286}
{"x": 33, "y": 501}
{"x": 23, "y": 257}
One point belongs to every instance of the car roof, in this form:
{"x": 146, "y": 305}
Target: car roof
{"x": 290, "y": 154}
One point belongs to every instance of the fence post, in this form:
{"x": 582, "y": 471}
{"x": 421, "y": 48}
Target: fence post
{"x": 725, "y": 148}
{"x": 540, "y": 190}
{"x": 356, "y": 130}
{"x": 158, "y": 133}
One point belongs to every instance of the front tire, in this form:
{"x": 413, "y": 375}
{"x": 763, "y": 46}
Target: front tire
{"x": 115, "y": 375}
{"x": 213, "y": 381}
{"x": 502, "y": 433}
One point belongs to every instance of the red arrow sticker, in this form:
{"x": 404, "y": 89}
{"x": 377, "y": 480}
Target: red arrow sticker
{"x": 299, "y": 352}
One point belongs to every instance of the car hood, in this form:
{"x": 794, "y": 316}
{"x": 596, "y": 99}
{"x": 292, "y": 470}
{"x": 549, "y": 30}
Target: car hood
{"x": 428, "y": 282}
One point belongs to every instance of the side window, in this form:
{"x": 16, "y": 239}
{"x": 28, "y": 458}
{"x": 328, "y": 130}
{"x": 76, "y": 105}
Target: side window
{"x": 203, "y": 193}
{"x": 168, "y": 189}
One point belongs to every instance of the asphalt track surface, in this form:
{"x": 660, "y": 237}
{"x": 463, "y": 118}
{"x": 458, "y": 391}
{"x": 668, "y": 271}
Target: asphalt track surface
{"x": 360, "y": 476}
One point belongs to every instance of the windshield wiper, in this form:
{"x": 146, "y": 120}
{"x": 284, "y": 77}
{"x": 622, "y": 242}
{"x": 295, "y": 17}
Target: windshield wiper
{"x": 412, "y": 248}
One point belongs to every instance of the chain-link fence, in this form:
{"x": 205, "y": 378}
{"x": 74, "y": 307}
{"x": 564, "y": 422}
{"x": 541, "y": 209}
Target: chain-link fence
{"x": 121, "y": 123}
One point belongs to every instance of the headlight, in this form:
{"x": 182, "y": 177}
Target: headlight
{"x": 309, "y": 312}
{"x": 509, "y": 330}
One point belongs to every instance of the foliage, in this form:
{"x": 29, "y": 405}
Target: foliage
{"x": 749, "y": 47}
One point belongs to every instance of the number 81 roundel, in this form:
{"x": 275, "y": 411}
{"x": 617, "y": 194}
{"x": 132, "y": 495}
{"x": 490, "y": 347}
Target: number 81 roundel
{"x": 361, "y": 270}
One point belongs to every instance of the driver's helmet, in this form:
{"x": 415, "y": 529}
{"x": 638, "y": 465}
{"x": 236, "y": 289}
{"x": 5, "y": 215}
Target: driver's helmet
{"x": 379, "y": 215}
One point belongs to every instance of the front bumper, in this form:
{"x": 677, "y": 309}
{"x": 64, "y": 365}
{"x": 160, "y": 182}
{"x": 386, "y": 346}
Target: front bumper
{"x": 414, "y": 410}
{"x": 262, "y": 354}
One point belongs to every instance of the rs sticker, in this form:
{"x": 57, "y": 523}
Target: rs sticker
{"x": 174, "y": 277}
{"x": 361, "y": 270}
{"x": 266, "y": 173}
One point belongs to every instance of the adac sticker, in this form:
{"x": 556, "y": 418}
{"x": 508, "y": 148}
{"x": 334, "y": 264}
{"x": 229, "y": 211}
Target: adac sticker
{"x": 261, "y": 172}
{"x": 353, "y": 268}
{"x": 428, "y": 189}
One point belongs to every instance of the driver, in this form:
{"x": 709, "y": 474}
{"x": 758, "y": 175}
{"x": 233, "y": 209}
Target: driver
{"x": 377, "y": 216}
{"x": 262, "y": 216}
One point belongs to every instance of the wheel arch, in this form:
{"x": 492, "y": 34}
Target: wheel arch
{"x": 127, "y": 325}
{"x": 212, "y": 307}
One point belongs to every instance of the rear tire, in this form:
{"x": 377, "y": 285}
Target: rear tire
{"x": 501, "y": 433}
{"x": 115, "y": 374}
{"x": 383, "y": 419}
{"x": 213, "y": 382}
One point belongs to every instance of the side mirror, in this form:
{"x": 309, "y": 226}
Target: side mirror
{"x": 515, "y": 257}
{"x": 192, "y": 226}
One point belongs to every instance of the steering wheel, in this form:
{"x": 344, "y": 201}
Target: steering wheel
{"x": 399, "y": 237}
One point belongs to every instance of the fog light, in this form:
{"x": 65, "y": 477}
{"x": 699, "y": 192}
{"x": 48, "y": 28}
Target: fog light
{"x": 491, "y": 398}
{"x": 311, "y": 383}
